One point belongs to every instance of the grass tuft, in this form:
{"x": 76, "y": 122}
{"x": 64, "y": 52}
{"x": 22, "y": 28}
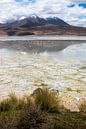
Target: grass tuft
{"x": 11, "y": 103}
{"x": 47, "y": 101}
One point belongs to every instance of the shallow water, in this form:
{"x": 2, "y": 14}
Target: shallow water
{"x": 23, "y": 72}
{"x": 48, "y": 37}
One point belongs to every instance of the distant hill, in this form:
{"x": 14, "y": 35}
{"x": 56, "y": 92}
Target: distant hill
{"x": 34, "y": 25}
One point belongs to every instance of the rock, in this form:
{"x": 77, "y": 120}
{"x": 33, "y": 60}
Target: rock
{"x": 55, "y": 91}
{"x": 37, "y": 91}
{"x": 82, "y": 105}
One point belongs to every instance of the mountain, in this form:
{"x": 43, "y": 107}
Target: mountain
{"x": 34, "y": 25}
{"x": 34, "y": 20}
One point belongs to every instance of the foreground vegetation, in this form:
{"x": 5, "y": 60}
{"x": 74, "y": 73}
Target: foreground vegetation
{"x": 39, "y": 111}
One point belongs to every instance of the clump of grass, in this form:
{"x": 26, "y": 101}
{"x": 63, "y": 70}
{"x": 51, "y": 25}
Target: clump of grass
{"x": 11, "y": 103}
{"x": 47, "y": 101}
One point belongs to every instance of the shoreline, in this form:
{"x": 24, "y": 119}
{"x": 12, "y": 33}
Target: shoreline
{"x": 48, "y": 38}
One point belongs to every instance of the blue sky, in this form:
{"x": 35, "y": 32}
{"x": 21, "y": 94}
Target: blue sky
{"x": 72, "y": 11}
{"x": 82, "y": 5}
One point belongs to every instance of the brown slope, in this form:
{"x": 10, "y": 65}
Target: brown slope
{"x": 49, "y": 30}
{"x": 45, "y": 30}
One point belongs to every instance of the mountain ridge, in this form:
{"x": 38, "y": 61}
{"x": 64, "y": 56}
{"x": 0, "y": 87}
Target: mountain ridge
{"x": 34, "y": 20}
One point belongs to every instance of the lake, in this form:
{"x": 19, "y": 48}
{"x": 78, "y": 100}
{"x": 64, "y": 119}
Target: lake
{"x": 24, "y": 71}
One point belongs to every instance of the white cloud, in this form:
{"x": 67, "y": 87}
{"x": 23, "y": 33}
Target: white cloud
{"x": 9, "y": 9}
{"x": 5, "y": 1}
{"x": 78, "y": 1}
